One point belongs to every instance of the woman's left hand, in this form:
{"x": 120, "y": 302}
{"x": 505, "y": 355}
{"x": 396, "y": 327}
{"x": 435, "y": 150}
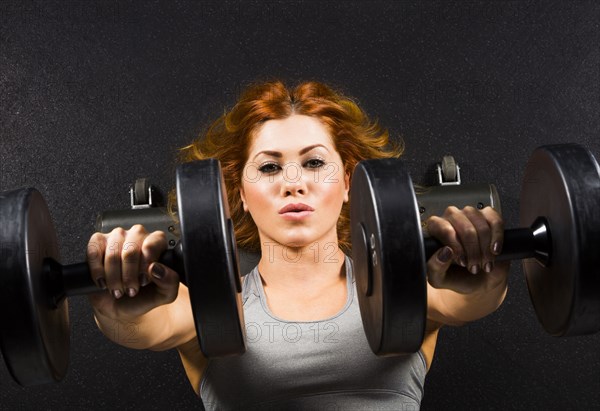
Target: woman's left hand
{"x": 472, "y": 239}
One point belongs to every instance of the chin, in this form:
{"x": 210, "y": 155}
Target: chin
{"x": 296, "y": 243}
{"x": 297, "y": 239}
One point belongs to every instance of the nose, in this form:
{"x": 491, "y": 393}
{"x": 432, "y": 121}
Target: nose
{"x": 293, "y": 181}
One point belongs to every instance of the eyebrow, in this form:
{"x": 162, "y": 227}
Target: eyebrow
{"x": 279, "y": 155}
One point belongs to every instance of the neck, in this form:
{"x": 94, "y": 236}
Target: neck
{"x": 314, "y": 266}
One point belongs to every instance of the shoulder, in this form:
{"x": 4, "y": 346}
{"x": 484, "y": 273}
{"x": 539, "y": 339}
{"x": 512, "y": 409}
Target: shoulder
{"x": 250, "y": 285}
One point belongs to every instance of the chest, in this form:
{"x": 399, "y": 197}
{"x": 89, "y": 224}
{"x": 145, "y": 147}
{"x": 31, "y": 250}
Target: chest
{"x": 290, "y": 360}
{"x": 298, "y": 306}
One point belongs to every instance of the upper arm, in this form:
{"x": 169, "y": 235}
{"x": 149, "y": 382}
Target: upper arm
{"x": 437, "y": 316}
{"x": 182, "y": 316}
{"x": 194, "y": 363}
{"x": 185, "y": 338}
{"x": 179, "y": 327}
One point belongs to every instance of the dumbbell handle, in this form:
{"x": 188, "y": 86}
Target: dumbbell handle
{"x": 75, "y": 279}
{"x": 519, "y": 243}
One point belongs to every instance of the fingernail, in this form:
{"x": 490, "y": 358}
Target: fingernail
{"x": 118, "y": 294}
{"x": 489, "y": 267}
{"x": 131, "y": 292}
{"x": 101, "y": 283}
{"x": 474, "y": 269}
{"x": 445, "y": 255}
{"x": 143, "y": 280}
{"x": 158, "y": 271}
{"x": 463, "y": 261}
{"x": 496, "y": 248}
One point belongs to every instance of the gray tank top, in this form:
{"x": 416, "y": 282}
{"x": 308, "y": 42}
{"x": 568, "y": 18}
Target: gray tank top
{"x": 310, "y": 365}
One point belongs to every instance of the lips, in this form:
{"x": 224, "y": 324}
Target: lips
{"x": 295, "y": 208}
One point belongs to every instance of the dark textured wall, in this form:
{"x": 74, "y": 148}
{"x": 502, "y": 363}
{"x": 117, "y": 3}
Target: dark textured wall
{"x": 95, "y": 94}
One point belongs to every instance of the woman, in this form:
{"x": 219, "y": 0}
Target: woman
{"x": 287, "y": 158}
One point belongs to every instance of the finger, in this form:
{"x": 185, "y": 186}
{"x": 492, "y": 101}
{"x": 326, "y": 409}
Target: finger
{"x": 443, "y": 231}
{"x": 438, "y": 265}
{"x": 467, "y": 235}
{"x": 131, "y": 256}
{"x": 153, "y": 246}
{"x": 163, "y": 290}
{"x": 112, "y": 261}
{"x": 496, "y": 224}
{"x": 484, "y": 234}
{"x": 95, "y": 258}
{"x": 166, "y": 281}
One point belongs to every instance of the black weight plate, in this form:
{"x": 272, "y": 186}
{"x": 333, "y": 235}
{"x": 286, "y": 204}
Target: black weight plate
{"x": 562, "y": 184}
{"x": 389, "y": 257}
{"x": 34, "y": 334}
{"x": 210, "y": 258}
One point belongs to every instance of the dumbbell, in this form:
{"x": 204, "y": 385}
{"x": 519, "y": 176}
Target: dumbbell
{"x": 389, "y": 254}
{"x": 34, "y": 286}
{"x": 560, "y": 213}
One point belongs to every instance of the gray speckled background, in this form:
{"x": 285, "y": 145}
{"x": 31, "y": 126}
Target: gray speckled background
{"x": 96, "y": 94}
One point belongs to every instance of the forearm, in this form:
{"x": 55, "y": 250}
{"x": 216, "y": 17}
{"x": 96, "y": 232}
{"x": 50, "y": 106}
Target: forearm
{"x": 144, "y": 332}
{"x": 162, "y": 328}
{"x": 464, "y": 308}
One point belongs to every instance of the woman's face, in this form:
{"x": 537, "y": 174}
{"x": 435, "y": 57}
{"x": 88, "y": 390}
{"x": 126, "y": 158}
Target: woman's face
{"x": 294, "y": 183}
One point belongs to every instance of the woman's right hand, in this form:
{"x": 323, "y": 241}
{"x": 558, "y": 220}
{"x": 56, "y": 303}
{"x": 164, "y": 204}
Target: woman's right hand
{"x": 124, "y": 263}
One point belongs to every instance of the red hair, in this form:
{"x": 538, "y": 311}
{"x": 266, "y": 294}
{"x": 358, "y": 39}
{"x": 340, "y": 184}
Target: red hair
{"x": 229, "y": 137}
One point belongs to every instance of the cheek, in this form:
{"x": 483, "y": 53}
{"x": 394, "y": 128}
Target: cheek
{"x": 333, "y": 195}
{"x": 257, "y": 195}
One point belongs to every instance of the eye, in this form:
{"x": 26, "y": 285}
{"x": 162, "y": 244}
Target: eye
{"x": 269, "y": 168}
{"x": 314, "y": 163}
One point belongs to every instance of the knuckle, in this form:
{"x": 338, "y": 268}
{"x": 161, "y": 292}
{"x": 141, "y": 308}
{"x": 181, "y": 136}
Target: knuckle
{"x": 147, "y": 249}
{"x": 498, "y": 224}
{"x": 482, "y": 228}
{"x": 137, "y": 229}
{"x": 467, "y": 234}
{"x": 113, "y": 282}
{"x": 97, "y": 272}
{"x": 97, "y": 237}
{"x": 489, "y": 208}
{"x": 432, "y": 221}
{"x": 447, "y": 230}
{"x": 130, "y": 252}
{"x": 491, "y": 214}
{"x": 130, "y": 281}
{"x": 471, "y": 247}
{"x": 113, "y": 258}
{"x": 159, "y": 235}
{"x": 118, "y": 232}
{"x": 94, "y": 253}
{"x": 470, "y": 233}
{"x": 451, "y": 211}
{"x": 470, "y": 209}
{"x": 439, "y": 226}
{"x": 127, "y": 277}
{"x": 154, "y": 241}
